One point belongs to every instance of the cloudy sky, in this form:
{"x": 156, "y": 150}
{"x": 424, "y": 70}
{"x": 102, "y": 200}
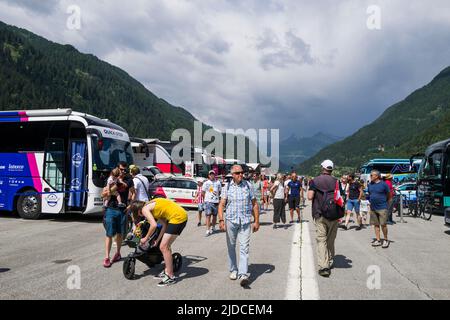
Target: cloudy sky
{"x": 301, "y": 66}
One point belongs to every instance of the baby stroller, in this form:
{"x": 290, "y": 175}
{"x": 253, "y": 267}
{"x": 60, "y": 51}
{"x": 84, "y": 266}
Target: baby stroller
{"x": 146, "y": 253}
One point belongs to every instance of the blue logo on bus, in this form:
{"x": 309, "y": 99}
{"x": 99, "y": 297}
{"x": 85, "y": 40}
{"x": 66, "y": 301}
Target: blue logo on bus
{"x": 76, "y": 184}
{"x": 76, "y": 160}
{"x": 52, "y": 200}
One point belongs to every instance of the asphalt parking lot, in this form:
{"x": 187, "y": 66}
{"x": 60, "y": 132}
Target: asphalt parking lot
{"x": 38, "y": 258}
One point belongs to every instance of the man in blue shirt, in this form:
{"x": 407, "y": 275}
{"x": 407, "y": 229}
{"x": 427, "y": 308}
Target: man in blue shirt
{"x": 239, "y": 202}
{"x": 380, "y": 195}
{"x": 293, "y": 191}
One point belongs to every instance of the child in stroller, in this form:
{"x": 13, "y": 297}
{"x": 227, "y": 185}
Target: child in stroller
{"x": 147, "y": 253}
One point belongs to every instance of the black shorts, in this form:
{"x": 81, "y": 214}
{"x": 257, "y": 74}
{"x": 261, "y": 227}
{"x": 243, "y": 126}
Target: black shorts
{"x": 175, "y": 229}
{"x": 294, "y": 202}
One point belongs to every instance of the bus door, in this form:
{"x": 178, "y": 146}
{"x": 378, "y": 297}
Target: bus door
{"x": 77, "y": 193}
{"x": 53, "y": 184}
{"x": 446, "y": 180}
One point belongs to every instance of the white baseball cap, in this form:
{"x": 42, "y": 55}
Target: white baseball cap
{"x": 328, "y": 165}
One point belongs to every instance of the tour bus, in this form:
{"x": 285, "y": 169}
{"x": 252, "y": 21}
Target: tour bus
{"x": 434, "y": 177}
{"x": 57, "y": 161}
{"x": 401, "y": 169}
{"x": 150, "y": 152}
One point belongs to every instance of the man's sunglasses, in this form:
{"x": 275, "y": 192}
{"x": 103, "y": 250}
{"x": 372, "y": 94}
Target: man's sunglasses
{"x": 240, "y": 172}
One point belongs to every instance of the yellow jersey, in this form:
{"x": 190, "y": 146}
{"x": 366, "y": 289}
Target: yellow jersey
{"x": 168, "y": 210}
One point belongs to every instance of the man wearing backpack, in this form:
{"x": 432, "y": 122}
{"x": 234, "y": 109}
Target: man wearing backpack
{"x": 239, "y": 203}
{"x": 324, "y": 194}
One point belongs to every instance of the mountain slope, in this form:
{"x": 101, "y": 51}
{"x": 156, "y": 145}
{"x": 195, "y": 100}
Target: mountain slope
{"x": 405, "y": 128}
{"x": 36, "y": 73}
{"x": 294, "y": 150}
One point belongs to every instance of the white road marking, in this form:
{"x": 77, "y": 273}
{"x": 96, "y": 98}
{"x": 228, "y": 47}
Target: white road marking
{"x": 293, "y": 288}
{"x": 309, "y": 285}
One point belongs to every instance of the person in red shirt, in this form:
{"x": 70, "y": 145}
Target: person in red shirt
{"x": 265, "y": 194}
{"x": 388, "y": 181}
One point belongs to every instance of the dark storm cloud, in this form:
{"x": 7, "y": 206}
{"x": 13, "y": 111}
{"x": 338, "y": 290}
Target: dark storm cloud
{"x": 38, "y": 6}
{"x": 281, "y": 53}
{"x": 297, "y": 65}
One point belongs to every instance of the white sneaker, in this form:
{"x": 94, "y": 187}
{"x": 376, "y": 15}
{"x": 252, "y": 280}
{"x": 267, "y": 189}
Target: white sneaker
{"x": 233, "y": 275}
{"x": 207, "y": 233}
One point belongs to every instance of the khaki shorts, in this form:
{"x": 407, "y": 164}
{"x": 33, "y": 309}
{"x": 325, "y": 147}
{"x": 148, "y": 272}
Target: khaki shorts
{"x": 378, "y": 217}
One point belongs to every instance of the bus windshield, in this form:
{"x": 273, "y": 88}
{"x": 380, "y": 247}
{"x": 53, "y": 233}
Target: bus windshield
{"x": 432, "y": 166}
{"x": 108, "y": 153}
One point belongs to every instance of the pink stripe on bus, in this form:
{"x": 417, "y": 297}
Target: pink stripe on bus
{"x": 23, "y": 116}
{"x": 34, "y": 171}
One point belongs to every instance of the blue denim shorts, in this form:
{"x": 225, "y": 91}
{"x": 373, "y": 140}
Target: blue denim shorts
{"x": 114, "y": 222}
{"x": 353, "y": 204}
{"x": 210, "y": 208}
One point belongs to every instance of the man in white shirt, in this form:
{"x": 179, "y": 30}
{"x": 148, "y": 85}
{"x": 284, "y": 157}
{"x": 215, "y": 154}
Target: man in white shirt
{"x": 286, "y": 182}
{"x": 141, "y": 184}
{"x": 211, "y": 192}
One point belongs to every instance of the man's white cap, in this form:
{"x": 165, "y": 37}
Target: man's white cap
{"x": 328, "y": 165}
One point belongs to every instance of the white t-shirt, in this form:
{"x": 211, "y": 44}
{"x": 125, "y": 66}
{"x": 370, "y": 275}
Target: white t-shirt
{"x": 140, "y": 185}
{"x": 286, "y": 184}
{"x": 279, "y": 193}
{"x": 212, "y": 190}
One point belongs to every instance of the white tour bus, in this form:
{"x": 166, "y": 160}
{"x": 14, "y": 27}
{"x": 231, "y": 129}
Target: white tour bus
{"x": 150, "y": 152}
{"x": 57, "y": 161}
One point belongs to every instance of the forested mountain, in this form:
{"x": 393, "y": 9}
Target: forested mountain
{"x": 405, "y": 128}
{"x": 295, "y": 150}
{"x": 39, "y": 74}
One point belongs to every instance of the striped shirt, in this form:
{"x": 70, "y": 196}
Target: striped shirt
{"x": 200, "y": 195}
{"x": 239, "y": 202}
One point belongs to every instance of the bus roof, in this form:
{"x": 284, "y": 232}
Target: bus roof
{"x": 387, "y": 161}
{"x": 438, "y": 146}
{"x": 20, "y": 115}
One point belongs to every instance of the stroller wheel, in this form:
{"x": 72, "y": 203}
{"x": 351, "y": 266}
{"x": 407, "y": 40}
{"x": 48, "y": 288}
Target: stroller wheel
{"x": 129, "y": 268}
{"x": 177, "y": 261}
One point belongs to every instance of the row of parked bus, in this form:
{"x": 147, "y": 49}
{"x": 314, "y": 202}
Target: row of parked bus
{"x": 57, "y": 161}
{"x": 424, "y": 178}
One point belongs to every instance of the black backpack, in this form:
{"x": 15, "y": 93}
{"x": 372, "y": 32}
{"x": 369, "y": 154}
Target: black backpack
{"x": 328, "y": 208}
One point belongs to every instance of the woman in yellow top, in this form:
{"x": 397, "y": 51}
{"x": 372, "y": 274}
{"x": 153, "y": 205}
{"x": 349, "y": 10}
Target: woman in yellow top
{"x": 173, "y": 219}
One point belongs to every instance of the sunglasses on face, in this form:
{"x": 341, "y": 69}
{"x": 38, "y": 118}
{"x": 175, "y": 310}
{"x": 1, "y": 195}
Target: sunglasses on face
{"x": 237, "y": 173}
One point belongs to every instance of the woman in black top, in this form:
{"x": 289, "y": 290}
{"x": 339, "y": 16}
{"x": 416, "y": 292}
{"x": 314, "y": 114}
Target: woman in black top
{"x": 355, "y": 192}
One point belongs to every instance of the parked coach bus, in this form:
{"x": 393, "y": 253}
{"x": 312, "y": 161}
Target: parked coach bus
{"x": 57, "y": 161}
{"x": 433, "y": 183}
{"x": 150, "y": 152}
{"x": 401, "y": 169}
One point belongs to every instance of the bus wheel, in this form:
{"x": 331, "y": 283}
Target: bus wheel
{"x": 29, "y": 206}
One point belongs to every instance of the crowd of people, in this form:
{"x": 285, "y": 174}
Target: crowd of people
{"x": 236, "y": 207}
{"x": 282, "y": 190}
